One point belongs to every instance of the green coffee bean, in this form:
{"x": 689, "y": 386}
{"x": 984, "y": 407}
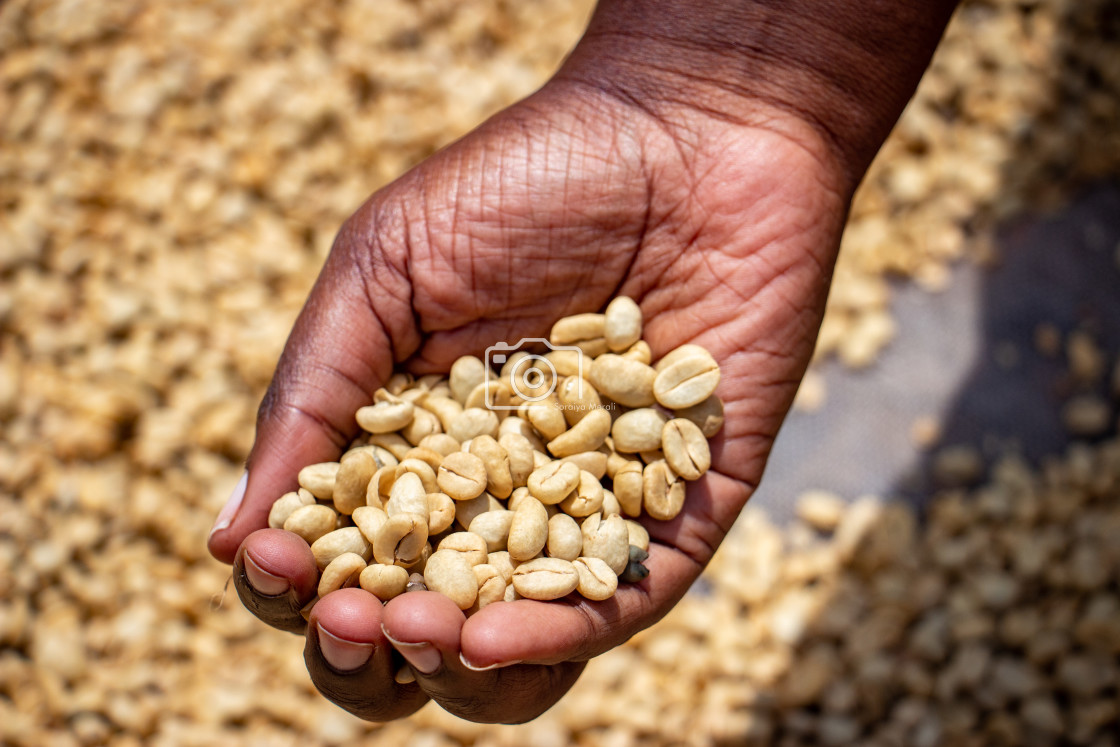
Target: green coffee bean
{"x": 545, "y": 578}
{"x": 596, "y": 579}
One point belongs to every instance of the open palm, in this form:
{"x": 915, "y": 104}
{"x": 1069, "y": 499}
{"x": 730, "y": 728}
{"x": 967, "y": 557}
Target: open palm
{"x": 725, "y": 233}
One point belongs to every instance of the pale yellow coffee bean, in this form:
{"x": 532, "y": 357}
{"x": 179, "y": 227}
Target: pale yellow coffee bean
{"x": 441, "y": 512}
{"x": 513, "y": 363}
{"x": 394, "y": 443}
{"x": 627, "y": 382}
{"x": 407, "y": 496}
{"x": 587, "y": 497}
{"x": 545, "y": 416}
{"x": 449, "y": 573}
{"x": 611, "y": 506}
{"x": 528, "y": 530}
{"x": 686, "y": 382}
{"x": 462, "y": 476}
{"x": 491, "y": 585}
{"x": 553, "y": 482}
{"x": 427, "y": 383}
{"x": 398, "y": 382}
{"x": 515, "y": 498}
{"x": 311, "y": 522}
{"x": 586, "y": 435}
{"x": 568, "y": 362}
{"x": 540, "y": 459}
{"x": 283, "y": 507}
{"x": 384, "y": 581}
{"x": 638, "y": 535}
{"x": 585, "y": 331}
{"x": 444, "y": 408}
{"x": 707, "y": 415}
{"x": 355, "y": 470}
{"x": 425, "y": 553}
{"x": 651, "y": 456}
{"x": 686, "y": 450}
{"x": 577, "y": 398}
{"x": 421, "y": 469}
{"x": 597, "y": 581}
{"x": 319, "y": 479}
{"x": 423, "y": 424}
{"x": 466, "y": 373}
{"x": 564, "y": 538}
{"x": 594, "y": 462}
{"x": 494, "y": 527}
{"x": 401, "y": 540}
{"x": 415, "y": 397}
{"x": 499, "y": 477}
{"x": 441, "y": 389}
{"x": 360, "y": 446}
{"x": 332, "y": 544}
{"x": 466, "y": 511}
{"x": 468, "y": 544}
{"x": 545, "y": 578}
{"x": 524, "y": 378}
{"x": 511, "y": 593}
{"x": 638, "y": 430}
{"x": 639, "y": 352}
{"x": 615, "y": 462}
{"x": 493, "y": 395}
{"x": 607, "y": 539}
{"x": 385, "y": 416}
{"x": 430, "y": 457}
{"x": 515, "y": 424}
{"x": 369, "y": 519}
{"x": 377, "y": 492}
{"x": 684, "y": 351}
{"x": 383, "y": 456}
{"x": 383, "y": 395}
{"x": 473, "y": 421}
{"x": 441, "y": 443}
{"x": 519, "y": 452}
{"x": 662, "y": 492}
{"x": 532, "y": 379}
{"x": 501, "y": 561}
{"x": 622, "y": 323}
{"x": 343, "y": 571}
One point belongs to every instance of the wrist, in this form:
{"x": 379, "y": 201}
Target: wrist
{"x": 833, "y": 76}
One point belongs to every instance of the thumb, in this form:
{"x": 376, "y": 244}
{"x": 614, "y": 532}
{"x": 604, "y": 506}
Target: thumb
{"x": 340, "y": 350}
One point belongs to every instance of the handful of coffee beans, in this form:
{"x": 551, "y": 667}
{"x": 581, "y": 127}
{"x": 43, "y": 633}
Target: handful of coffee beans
{"x": 515, "y": 477}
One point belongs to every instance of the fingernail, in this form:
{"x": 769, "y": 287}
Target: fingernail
{"x": 475, "y": 668}
{"x": 225, "y": 516}
{"x": 341, "y": 654}
{"x": 422, "y": 657}
{"x": 262, "y": 581}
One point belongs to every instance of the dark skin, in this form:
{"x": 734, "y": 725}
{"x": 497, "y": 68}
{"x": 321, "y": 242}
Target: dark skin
{"x": 699, "y": 158}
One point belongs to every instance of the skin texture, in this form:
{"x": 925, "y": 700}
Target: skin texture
{"x": 690, "y": 160}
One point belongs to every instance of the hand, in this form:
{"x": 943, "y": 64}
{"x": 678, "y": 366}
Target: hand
{"x": 723, "y": 222}
{"x": 724, "y": 233}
